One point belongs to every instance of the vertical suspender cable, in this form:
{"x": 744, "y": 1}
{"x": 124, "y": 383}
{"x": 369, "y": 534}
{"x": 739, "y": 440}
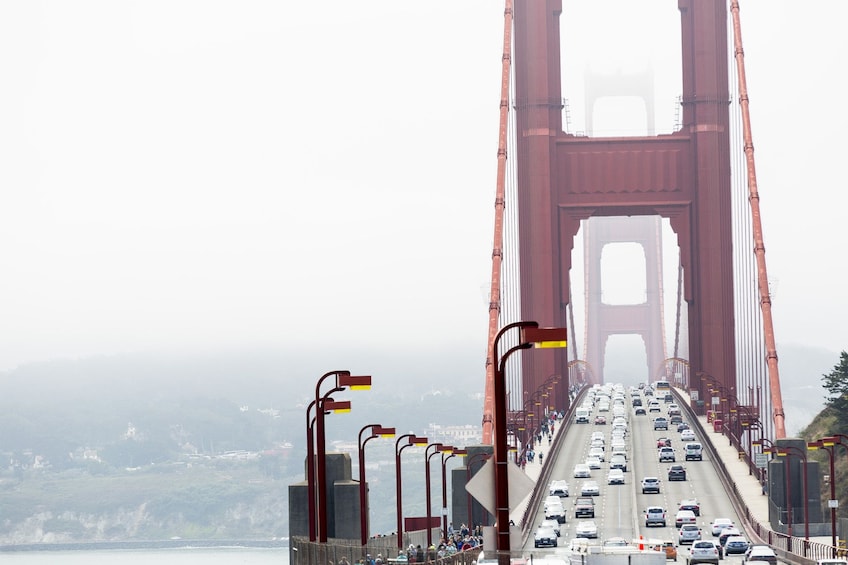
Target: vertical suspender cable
{"x": 497, "y": 249}
{"x": 759, "y": 246}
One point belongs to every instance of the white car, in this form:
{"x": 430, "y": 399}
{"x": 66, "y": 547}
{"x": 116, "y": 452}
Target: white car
{"x": 597, "y": 452}
{"x": 553, "y": 524}
{"x": 582, "y": 471}
{"x": 687, "y": 435}
{"x": 717, "y": 525}
{"x": 586, "y": 529}
{"x": 555, "y": 512}
{"x": 703, "y": 551}
{"x": 615, "y": 477}
{"x": 558, "y": 488}
{"x": 590, "y": 488}
{"x": 593, "y": 462}
{"x": 552, "y": 499}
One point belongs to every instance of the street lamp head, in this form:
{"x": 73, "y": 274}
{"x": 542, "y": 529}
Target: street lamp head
{"x": 336, "y": 406}
{"x": 384, "y": 432}
{"x": 355, "y": 382}
{"x": 417, "y": 440}
{"x": 545, "y": 337}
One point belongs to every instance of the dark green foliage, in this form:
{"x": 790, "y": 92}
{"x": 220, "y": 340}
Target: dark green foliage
{"x": 836, "y": 383}
{"x": 831, "y": 421}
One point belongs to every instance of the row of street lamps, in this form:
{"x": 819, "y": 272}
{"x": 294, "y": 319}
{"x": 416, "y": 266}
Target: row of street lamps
{"x": 530, "y": 335}
{"x": 317, "y": 478}
{"x": 828, "y": 444}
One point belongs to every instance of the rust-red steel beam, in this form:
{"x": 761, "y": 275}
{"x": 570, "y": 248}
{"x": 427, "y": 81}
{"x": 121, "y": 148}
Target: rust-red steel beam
{"x": 497, "y": 248}
{"x": 759, "y": 246}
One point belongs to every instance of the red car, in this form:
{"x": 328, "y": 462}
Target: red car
{"x": 664, "y": 442}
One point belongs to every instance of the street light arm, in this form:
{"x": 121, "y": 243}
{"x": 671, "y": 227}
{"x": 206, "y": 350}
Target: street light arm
{"x": 324, "y": 377}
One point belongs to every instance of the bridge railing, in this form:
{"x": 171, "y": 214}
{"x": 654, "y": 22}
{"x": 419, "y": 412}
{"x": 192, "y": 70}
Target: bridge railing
{"x": 540, "y": 492}
{"x": 345, "y": 551}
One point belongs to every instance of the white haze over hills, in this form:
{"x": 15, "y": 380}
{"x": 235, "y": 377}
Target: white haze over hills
{"x": 287, "y": 380}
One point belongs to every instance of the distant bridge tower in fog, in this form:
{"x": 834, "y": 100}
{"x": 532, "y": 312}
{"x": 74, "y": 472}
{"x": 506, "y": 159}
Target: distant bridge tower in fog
{"x": 645, "y": 319}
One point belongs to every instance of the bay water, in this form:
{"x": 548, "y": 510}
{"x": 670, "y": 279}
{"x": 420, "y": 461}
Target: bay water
{"x": 181, "y": 556}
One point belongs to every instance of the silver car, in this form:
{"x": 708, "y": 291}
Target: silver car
{"x": 688, "y": 533}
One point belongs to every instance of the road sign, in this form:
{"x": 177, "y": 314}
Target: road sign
{"x": 482, "y": 486}
{"x": 761, "y": 460}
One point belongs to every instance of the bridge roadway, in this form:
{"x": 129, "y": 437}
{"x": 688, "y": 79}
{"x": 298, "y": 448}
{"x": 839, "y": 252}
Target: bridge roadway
{"x": 620, "y": 508}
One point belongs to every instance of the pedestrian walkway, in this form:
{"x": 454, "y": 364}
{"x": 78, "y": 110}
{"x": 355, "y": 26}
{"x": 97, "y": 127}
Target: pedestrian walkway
{"x": 747, "y": 483}
{"x": 534, "y": 471}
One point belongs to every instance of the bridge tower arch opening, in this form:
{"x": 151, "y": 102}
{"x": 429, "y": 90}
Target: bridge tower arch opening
{"x": 629, "y": 301}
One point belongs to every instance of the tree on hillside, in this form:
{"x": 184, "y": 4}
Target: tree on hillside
{"x": 836, "y": 383}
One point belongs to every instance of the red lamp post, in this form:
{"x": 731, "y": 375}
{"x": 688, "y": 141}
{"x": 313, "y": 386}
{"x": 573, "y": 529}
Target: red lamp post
{"x": 828, "y": 444}
{"x": 455, "y": 452}
{"x": 343, "y": 380}
{"x": 412, "y": 439}
{"x": 376, "y": 431}
{"x": 438, "y": 448}
{"x": 310, "y": 459}
{"x": 788, "y": 451}
{"x": 310, "y": 472}
{"x": 531, "y": 334}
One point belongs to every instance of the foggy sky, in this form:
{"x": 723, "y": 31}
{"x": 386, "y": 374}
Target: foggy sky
{"x": 190, "y": 175}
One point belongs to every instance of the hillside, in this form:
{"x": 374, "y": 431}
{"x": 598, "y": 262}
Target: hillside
{"x": 140, "y": 447}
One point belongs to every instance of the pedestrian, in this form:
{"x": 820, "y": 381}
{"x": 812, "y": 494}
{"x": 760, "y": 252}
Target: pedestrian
{"x": 540, "y": 458}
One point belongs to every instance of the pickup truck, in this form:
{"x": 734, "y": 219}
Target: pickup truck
{"x": 584, "y": 506}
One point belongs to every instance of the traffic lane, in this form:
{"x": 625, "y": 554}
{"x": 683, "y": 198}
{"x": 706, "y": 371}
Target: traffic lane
{"x": 702, "y": 485}
{"x": 574, "y": 449}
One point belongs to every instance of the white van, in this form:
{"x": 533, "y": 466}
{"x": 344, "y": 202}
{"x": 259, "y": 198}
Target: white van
{"x": 581, "y": 416}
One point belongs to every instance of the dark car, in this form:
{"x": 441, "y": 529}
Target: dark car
{"x": 639, "y": 411}
{"x": 676, "y": 473}
{"x": 682, "y": 426}
{"x": 726, "y": 534}
{"x": 736, "y": 544}
{"x": 545, "y": 537}
{"x": 690, "y": 504}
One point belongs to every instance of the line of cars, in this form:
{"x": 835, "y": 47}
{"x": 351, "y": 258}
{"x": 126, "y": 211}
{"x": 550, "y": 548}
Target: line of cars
{"x": 600, "y": 451}
{"x": 727, "y": 540}
{"x": 685, "y": 520}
